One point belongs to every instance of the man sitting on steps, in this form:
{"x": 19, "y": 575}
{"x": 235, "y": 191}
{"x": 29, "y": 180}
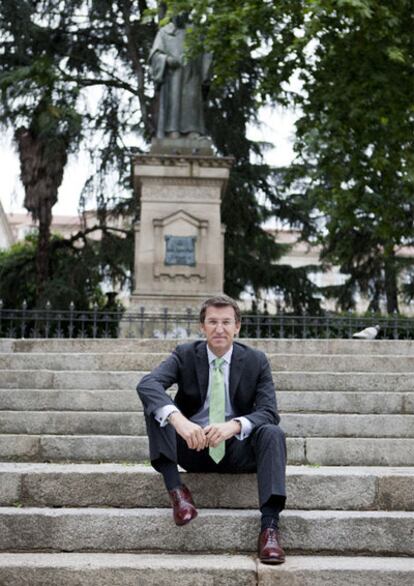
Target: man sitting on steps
{"x": 223, "y": 419}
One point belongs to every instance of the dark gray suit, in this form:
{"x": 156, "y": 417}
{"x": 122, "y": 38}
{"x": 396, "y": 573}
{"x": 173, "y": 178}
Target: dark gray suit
{"x": 252, "y": 395}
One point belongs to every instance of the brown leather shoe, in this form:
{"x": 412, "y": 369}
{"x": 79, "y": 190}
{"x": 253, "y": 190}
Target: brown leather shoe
{"x": 183, "y": 506}
{"x": 270, "y": 550}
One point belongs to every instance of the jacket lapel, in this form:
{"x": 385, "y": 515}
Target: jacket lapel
{"x": 202, "y": 370}
{"x": 236, "y": 369}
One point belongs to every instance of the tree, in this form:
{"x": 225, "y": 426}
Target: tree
{"x": 65, "y": 285}
{"x": 354, "y": 141}
{"x": 41, "y": 110}
{"x": 51, "y": 53}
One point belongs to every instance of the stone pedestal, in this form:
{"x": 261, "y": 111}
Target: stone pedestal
{"x": 179, "y": 240}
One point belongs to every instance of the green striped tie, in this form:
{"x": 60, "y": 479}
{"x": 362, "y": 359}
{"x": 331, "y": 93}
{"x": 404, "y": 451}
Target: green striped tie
{"x": 217, "y": 406}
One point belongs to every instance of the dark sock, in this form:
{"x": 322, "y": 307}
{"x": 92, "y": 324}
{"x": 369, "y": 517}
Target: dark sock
{"x": 270, "y": 512}
{"x": 169, "y": 471}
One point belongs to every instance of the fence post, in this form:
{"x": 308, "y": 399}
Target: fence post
{"x": 23, "y": 322}
{"x": 71, "y": 326}
{"x": 95, "y": 318}
{"x": 282, "y": 324}
{"x": 47, "y": 326}
{"x": 395, "y": 326}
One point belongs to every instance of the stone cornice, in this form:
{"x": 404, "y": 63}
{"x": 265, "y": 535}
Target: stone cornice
{"x": 181, "y": 160}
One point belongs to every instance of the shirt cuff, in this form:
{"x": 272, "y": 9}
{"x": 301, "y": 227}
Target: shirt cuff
{"x": 162, "y": 414}
{"x": 246, "y": 427}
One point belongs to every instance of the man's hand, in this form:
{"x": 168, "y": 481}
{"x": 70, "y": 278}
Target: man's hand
{"x": 219, "y": 432}
{"x": 192, "y": 433}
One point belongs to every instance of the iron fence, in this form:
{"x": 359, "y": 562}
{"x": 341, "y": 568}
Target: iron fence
{"x": 115, "y": 322}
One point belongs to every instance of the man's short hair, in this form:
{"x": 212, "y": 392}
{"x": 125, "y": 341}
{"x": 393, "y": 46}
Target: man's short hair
{"x": 220, "y": 301}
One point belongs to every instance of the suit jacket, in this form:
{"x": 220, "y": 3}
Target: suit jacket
{"x": 251, "y": 388}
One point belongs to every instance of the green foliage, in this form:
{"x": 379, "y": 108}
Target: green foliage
{"x": 232, "y": 29}
{"x": 75, "y": 275}
{"x": 51, "y": 53}
{"x": 354, "y": 141}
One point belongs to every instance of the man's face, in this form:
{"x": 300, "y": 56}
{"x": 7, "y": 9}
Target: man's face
{"x": 220, "y": 327}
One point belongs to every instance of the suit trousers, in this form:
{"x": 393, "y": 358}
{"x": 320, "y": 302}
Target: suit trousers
{"x": 263, "y": 452}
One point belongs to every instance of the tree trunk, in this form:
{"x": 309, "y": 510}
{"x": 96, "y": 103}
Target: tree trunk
{"x": 391, "y": 287}
{"x": 42, "y": 162}
{"x": 42, "y": 253}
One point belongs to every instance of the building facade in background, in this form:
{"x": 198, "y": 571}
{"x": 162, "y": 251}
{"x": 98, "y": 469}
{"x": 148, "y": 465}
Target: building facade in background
{"x": 6, "y": 233}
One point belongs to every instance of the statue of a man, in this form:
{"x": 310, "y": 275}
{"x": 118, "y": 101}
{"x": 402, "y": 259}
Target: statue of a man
{"x": 180, "y": 82}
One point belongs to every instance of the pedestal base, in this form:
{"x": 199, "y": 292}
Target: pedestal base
{"x": 162, "y": 316}
{"x": 179, "y": 240}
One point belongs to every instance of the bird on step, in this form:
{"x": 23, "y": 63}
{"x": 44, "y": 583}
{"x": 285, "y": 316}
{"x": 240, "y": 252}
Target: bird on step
{"x": 368, "y": 333}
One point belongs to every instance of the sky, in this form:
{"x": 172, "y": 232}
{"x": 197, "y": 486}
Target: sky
{"x": 277, "y": 127}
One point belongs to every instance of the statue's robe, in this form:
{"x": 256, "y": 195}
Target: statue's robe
{"x": 181, "y": 100}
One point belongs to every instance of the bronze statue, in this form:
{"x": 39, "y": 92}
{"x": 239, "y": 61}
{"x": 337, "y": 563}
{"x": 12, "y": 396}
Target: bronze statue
{"x": 180, "y": 82}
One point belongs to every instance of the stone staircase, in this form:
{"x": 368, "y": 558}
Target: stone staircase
{"x": 79, "y": 504}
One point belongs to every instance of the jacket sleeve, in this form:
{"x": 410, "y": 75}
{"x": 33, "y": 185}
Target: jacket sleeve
{"x": 152, "y": 387}
{"x": 265, "y": 408}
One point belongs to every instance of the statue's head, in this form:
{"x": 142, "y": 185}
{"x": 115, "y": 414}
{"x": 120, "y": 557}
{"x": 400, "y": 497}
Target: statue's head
{"x": 181, "y": 19}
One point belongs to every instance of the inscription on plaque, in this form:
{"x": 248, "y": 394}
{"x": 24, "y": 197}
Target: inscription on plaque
{"x": 180, "y": 250}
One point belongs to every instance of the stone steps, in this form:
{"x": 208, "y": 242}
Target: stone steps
{"x": 120, "y": 423}
{"x": 126, "y": 400}
{"x": 288, "y": 381}
{"x": 137, "y": 486}
{"x": 318, "y": 451}
{"x": 97, "y": 569}
{"x": 279, "y": 345}
{"x": 146, "y": 361}
{"x": 214, "y": 531}
{"x": 348, "y": 409}
{"x": 338, "y": 571}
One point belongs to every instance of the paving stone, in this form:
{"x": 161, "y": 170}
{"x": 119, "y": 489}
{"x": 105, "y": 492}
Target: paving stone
{"x": 75, "y": 400}
{"x": 19, "y": 447}
{"x": 311, "y": 451}
{"x": 129, "y": 486}
{"x": 10, "y": 488}
{"x": 94, "y": 448}
{"x": 338, "y": 571}
{"x": 348, "y": 425}
{"x": 132, "y": 423}
{"x": 344, "y": 402}
{"x": 127, "y": 400}
{"x": 288, "y": 381}
{"x": 72, "y": 423}
{"x": 94, "y": 569}
{"x": 145, "y": 361}
{"x": 214, "y": 531}
{"x": 282, "y": 345}
{"x": 359, "y": 451}
{"x": 389, "y": 486}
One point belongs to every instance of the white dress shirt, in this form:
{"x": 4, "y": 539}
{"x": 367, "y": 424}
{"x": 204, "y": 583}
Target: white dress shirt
{"x": 202, "y": 416}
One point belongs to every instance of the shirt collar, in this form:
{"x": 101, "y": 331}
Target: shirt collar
{"x": 226, "y": 357}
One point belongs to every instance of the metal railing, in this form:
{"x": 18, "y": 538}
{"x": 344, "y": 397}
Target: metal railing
{"x": 115, "y": 322}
